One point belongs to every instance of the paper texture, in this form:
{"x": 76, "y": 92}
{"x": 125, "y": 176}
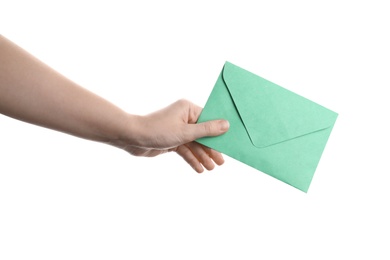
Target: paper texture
{"x": 271, "y": 128}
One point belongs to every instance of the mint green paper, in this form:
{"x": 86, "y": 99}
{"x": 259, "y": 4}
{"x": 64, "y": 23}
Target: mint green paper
{"x": 271, "y": 128}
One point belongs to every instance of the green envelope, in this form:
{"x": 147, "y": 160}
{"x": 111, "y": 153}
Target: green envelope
{"x": 271, "y": 128}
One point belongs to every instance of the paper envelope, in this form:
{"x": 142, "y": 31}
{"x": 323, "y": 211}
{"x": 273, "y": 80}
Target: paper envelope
{"x": 271, "y": 128}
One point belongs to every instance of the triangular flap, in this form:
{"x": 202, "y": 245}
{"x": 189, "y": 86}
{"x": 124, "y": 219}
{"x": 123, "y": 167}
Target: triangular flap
{"x": 270, "y": 113}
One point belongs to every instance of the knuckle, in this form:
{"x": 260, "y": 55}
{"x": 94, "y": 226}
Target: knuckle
{"x": 182, "y": 102}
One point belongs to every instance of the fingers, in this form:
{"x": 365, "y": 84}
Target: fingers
{"x": 214, "y": 155}
{"x": 193, "y": 112}
{"x": 209, "y": 128}
{"x": 190, "y": 158}
{"x": 201, "y": 155}
{"x": 189, "y": 114}
{"x": 197, "y": 155}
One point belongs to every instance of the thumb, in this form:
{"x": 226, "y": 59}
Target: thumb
{"x": 209, "y": 128}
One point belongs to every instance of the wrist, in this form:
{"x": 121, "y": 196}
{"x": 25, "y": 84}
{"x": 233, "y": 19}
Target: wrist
{"x": 130, "y": 133}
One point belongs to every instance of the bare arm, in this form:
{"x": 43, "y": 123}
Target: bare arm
{"x": 33, "y": 92}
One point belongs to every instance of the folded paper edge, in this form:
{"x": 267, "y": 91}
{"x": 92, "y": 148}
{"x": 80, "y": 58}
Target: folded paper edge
{"x": 223, "y": 76}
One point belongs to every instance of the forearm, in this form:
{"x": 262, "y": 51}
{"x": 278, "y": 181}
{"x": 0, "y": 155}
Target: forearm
{"x": 33, "y": 92}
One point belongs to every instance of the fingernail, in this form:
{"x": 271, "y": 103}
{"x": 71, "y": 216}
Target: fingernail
{"x": 224, "y": 125}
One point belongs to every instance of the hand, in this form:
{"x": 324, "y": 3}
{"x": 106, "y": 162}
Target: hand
{"x": 174, "y": 128}
{"x": 33, "y": 92}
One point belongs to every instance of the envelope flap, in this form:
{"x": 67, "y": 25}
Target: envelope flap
{"x": 272, "y": 114}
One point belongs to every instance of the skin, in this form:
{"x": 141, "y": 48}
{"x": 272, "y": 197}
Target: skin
{"x": 35, "y": 93}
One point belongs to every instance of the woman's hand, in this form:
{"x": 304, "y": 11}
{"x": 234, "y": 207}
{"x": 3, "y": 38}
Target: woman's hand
{"x": 174, "y": 128}
{"x": 33, "y": 92}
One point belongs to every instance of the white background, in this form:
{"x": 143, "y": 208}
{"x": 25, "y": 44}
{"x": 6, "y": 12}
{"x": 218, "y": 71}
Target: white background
{"x": 66, "y": 198}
